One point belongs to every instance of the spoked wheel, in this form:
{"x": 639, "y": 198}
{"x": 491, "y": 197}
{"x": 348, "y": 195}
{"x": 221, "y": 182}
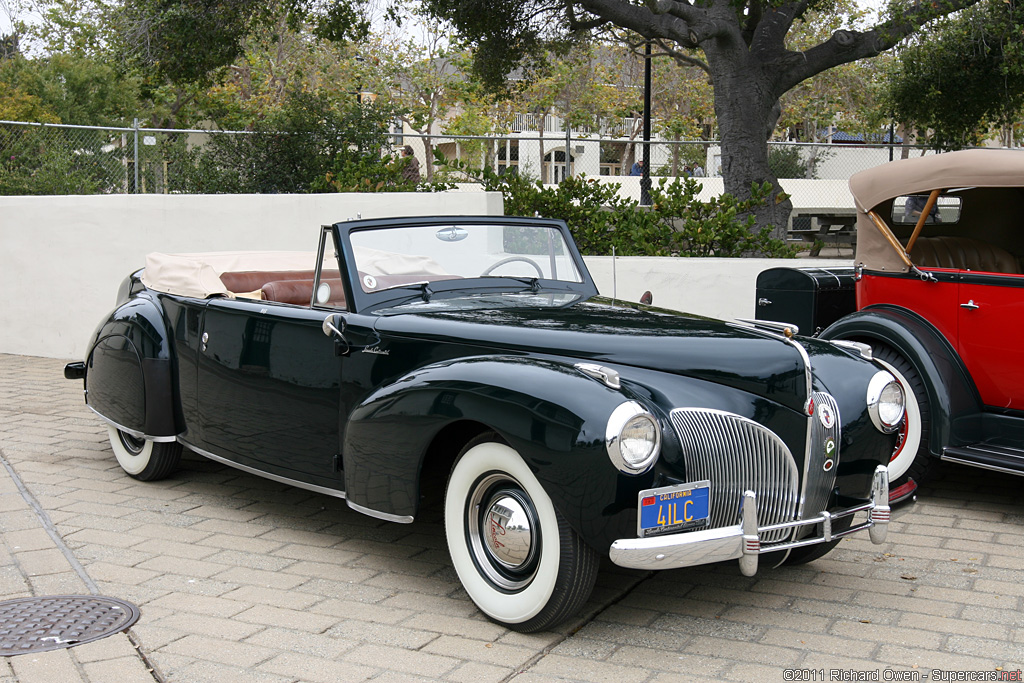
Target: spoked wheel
{"x": 143, "y": 459}
{"x": 519, "y": 560}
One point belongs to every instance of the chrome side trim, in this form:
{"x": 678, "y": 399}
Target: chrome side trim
{"x": 745, "y": 541}
{"x": 386, "y": 516}
{"x": 772, "y": 325}
{"x": 261, "y": 473}
{"x": 863, "y": 350}
{"x": 808, "y": 414}
{"x": 971, "y": 463}
{"x": 133, "y": 432}
{"x": 737, "y": 454}
{"x": 818, "y": 482}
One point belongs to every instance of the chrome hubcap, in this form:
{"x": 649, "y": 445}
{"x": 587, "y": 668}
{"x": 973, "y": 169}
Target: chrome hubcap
{"x": 503, "y": 532}
{"x": 508, "y": 534}
{"x": 130, "y": 443}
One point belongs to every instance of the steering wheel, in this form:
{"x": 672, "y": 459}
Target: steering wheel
{"x": 513, "y": 259}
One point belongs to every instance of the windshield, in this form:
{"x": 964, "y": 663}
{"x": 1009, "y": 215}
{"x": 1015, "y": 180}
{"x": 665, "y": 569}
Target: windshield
{"x": 403, "y": 256}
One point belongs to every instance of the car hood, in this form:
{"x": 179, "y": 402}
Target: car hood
{"x": 600, "y": 332}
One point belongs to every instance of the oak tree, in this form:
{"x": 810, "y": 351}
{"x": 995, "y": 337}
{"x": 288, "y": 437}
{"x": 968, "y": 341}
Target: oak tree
{"x": 742, "y": 45}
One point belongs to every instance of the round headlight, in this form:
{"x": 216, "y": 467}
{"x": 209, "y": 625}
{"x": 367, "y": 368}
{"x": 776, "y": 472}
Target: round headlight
{"x": 633, "y": 438}
{"x": 886, "y": 402}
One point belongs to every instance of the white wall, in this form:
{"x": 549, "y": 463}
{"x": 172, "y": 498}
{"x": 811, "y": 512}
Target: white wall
{"x": 713, "y": 287}
{"x": 62, "y": 258}
{"x": 808, "y": 196}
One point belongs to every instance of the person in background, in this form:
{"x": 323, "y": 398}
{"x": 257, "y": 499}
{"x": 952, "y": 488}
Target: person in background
{"x": 915, "y": 205}
{"x": 411, "y": 170}
{"x": 638, "y": 168}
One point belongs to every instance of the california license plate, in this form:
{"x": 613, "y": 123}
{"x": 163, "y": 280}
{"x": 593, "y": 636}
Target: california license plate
{"x": 674, "y": 508}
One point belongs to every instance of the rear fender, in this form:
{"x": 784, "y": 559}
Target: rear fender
{"x": 952, "y": 397}
{"x": 548, "y": 411}
{"x": 130, "y": 370}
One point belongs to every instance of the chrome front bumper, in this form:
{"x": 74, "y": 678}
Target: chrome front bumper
{"x": 743, "y": 541}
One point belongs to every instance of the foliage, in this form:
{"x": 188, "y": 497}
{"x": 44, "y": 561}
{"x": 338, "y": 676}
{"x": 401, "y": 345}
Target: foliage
{"x": 40, "y": 161}
{"x": 310, "y": 145}
{"x": 164, "y": 34}
{"x": 786, "y": 161}
{"x": 676, "y": 224}
{"x": 964, "y": 77}
{"x": 742, "y": 45}
{"x": 66, "y": 88}
{"x": 82, "y": 28}
{"x": 844, "y": 95}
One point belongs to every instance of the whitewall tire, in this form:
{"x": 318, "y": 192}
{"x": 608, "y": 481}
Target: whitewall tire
{"x": 911, "y": 457}
{"x": 519, "y": 560}
{"x": 141, "y": 458}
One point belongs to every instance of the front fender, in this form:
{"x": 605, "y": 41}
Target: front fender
{"x": 952, "y": 397}
{"x": 548, "y": 411}
{"x": 130, "y": 370}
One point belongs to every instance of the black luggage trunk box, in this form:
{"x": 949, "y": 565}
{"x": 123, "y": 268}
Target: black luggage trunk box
{"x": 810, "y": 298}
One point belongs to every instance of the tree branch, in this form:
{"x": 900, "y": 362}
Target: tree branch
{"x": 670, "y": 19}
{"x": 683, "y": 58}
{"x": 774, "y": 27}
{"x": 848, "y": 46}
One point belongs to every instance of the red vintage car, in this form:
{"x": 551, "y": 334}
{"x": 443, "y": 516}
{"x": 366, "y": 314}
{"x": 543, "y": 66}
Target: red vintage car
{"x": 940, "y": 300}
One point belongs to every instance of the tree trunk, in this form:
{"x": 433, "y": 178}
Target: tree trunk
{"x": 747, "y": 112}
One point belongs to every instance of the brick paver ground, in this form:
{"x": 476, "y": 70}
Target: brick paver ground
{"x": 243, "y": 579}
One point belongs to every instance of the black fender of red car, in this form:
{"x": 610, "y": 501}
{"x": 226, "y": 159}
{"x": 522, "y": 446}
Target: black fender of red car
{"x": 553, "y": 415}
{"x": 952, "y": 395}
{"x": 130, "y": 375}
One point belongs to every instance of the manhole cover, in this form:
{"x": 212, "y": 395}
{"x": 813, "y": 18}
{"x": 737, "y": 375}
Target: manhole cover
{"x": 59, "y": 621}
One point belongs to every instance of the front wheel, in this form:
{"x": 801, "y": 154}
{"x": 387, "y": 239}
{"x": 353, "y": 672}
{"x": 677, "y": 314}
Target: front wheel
{"x": 143, "y": 459}
{"x": 517, "y": 557}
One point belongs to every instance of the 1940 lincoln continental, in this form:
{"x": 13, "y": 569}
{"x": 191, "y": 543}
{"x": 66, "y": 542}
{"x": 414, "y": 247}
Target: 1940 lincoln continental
{"x": 568, "y": 426}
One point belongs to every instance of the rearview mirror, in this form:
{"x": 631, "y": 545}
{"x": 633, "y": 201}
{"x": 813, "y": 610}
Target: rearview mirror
{"x": 334, "y": 324}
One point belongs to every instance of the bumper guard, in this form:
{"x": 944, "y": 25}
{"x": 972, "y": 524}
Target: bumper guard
{"x": 743, "y": 541}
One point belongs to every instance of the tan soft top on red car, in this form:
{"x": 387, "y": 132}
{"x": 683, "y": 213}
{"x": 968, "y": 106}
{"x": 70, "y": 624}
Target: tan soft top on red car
{"x": 970, "y": 170}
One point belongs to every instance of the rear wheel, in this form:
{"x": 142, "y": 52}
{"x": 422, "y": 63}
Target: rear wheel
{"x": 517, "y": 557}
{"x": 143, "y": 459}
{"x": 911, "y": 458}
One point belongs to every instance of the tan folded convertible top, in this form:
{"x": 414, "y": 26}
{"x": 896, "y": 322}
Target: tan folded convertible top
{"x": 198, "y": 275}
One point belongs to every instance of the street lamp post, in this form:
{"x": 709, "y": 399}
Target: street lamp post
{"x": 645, "y": 181}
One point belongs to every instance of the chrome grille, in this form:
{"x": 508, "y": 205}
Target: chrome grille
{"x": 818, "y": 483}
{"x": 737, "y": 454}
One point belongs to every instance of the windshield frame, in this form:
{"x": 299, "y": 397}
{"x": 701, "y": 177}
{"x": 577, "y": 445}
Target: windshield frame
{"x": 361, "y": 301}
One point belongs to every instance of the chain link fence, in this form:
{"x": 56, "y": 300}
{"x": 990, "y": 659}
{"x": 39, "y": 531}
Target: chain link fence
{"x": 40, "y": 159}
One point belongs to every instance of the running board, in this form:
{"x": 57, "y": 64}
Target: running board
{"x": 996, "y": 458}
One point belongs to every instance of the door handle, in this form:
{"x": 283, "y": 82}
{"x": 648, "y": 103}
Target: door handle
{"x": 970, "y": 305}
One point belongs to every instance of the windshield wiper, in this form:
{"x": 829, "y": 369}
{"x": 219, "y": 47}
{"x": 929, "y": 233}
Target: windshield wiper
{"x": 532, "y": 282}
{"x": 423, "y": 285}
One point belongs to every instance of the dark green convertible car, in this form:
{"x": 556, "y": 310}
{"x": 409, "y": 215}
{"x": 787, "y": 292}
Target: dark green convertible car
{"x": 568, "y": 426}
